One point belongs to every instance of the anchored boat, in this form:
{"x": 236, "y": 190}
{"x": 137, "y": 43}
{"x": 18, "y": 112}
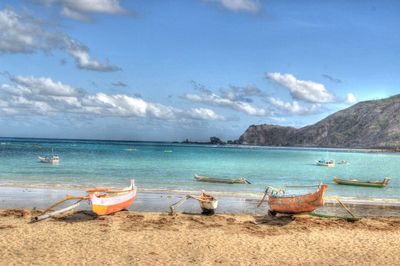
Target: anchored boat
{"x": 239, "y": 180}
{"x": 53, "y": 159}
{"x": 280, "y": 203}
{"x": 355, "y": 182}
{"x": 329, "y": 163}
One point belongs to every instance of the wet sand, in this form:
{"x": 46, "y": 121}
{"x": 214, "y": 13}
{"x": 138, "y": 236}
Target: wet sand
{"x": 143, "y": 238}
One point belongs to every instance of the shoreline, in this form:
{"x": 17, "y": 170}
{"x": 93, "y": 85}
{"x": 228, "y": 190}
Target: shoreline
{"x": 143, "y": 238}
{"x": 147, "y": 201}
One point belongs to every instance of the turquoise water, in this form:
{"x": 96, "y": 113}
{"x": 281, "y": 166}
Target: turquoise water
{"x": 167, "y": 166}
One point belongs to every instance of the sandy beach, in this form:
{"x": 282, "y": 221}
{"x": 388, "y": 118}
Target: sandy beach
{"x": 141, "y": 238}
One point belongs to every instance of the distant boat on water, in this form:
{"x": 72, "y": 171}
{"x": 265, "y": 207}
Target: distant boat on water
{"x": 355, "y": 182}
{"x": 328, "y": 163}
{"x": 53, "y": 159}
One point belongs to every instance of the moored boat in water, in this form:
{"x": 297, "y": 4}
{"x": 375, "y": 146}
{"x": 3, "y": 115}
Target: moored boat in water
{"x": 53, "y": 159}
{"x": 328, "y": 163}
{"x": 355, "y": 182}
{"x": 239, "y": 180}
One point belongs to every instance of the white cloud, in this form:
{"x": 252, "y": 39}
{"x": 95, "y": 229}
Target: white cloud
{"x": 43, "y": 97}
{"x": 252, "y": 6}
{"x": 307, "y": 91}
{"x": 350, "y": 98}
{"x": 82, "y": 9}
{"x": 294, "y": 107}
{"x": 21, "y": 33}
{"x": 204, "y": 114}
{"x": 213, "y": 99}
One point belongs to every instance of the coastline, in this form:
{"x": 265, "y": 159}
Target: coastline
{"x": 159, "y": 201}
{"x": 144, "y": 238}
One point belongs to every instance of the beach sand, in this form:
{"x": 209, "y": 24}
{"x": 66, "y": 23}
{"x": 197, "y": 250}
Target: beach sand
{"x": 143, "y": 238}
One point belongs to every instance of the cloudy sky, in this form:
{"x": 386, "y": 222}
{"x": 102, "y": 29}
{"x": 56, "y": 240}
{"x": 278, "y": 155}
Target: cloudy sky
{"x": 176, "y": 69}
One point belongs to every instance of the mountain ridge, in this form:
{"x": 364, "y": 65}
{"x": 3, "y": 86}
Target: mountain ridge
{"x": 372, "y": 124}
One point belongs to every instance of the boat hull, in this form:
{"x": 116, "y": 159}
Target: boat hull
{"x": 297, "y": 204}
{"x": 107, "y": 204}
{"x": 220, "y": 180}
{"x": 378, "y": 184}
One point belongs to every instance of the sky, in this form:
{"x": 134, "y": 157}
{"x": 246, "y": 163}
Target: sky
{"x": 168, "y": 70}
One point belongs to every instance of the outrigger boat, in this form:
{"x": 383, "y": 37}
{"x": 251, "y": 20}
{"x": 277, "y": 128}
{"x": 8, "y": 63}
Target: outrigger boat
{"x": 208, "y": 203}
{"x": 329, "y": 163}
{"x": 103, "y": 201}
{"x": 355, "y": 182}
{"x": 49, "y": 159}
{"x": 280, "y": 203}
{"x": 239, "y": 180}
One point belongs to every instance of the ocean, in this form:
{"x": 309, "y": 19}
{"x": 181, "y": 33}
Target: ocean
{"x": 169, "y": 167}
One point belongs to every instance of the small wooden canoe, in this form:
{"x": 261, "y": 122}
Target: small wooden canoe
{"x": 208, "y": 204}
{"x": 355, "y": 182}
{"x": 239, "y": 180}
{"x": 297, "y": 204}
{"x": 105, "y": 201}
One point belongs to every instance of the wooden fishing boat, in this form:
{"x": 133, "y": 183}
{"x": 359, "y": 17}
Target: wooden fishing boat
{"x": 355, "y": 182}
{"x": 208, "y": 203}
{"x": 49, "y": 159}
{"x": 105, "y": 201}
{"x": 296, "y": 204}
{"x": 329, "y": 163}
{"x": 239, "y": 180}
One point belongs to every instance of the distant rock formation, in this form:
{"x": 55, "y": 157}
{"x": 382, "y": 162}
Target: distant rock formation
{"x": 213, "y": 141}
{"x": 369, "y": 124}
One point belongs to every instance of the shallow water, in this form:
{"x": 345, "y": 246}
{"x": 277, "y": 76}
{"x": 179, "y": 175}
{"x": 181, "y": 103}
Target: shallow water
{"x": 171, "y": 167}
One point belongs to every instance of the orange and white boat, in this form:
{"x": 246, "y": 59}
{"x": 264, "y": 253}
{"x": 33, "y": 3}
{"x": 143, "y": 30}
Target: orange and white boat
{"x": 105, "y": 201}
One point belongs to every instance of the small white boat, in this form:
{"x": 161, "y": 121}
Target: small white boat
{"x": 329, "y": 163}
{"x": 208, "y": 203}
{"x": 54, "y": 159}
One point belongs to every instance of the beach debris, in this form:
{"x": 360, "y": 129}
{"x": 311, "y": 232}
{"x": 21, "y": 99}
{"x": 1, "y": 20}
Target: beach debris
{"x": 208, "y": 203}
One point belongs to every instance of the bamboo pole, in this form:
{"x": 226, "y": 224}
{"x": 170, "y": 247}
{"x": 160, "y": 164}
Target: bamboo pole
{"x": 345, "y": 208}
{"x": 67, "y": 197}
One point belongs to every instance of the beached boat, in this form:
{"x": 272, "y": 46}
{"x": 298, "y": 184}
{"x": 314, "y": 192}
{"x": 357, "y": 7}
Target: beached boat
{"x": 295, "y": 204}
{"x": 105, "y": 201}
{"x": 53, "y": 159}
{"x": 355, "y": 182}
{"x": 208, "y": 203}
{"x": 329, "y": 163}
{"x": 239, "y": 180}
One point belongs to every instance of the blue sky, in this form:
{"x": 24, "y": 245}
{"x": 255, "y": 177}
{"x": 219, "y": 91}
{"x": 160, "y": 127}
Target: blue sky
{"x": 170, "y": 70}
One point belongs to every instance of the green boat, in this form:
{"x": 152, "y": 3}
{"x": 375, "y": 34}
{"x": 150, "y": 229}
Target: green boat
{"x": 355, "y": 182}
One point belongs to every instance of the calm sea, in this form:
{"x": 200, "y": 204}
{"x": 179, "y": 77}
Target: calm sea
{"x": 171, "y": 167}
